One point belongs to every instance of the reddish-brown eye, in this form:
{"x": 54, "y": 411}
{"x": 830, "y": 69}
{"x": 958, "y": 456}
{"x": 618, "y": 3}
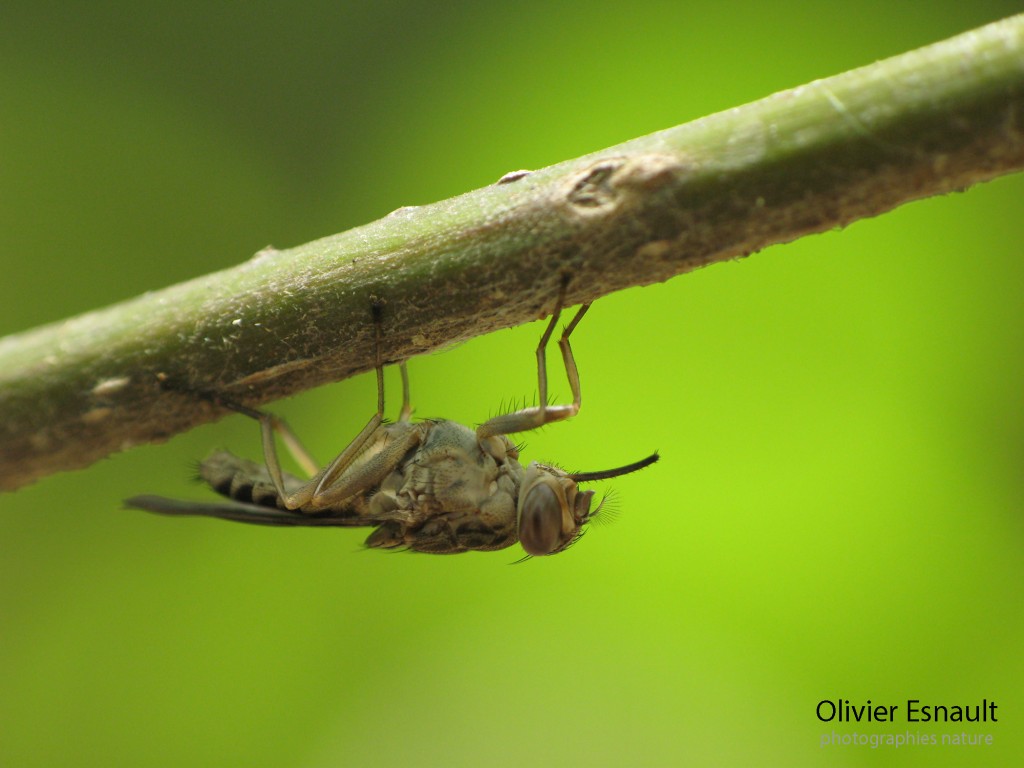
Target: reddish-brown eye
{"x": 540, "y": 522}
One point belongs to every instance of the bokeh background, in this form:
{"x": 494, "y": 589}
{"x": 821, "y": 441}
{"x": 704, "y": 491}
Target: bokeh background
{"x": 838, "y": 511}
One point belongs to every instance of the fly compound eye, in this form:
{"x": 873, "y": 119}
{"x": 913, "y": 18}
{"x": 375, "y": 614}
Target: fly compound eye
{"x": 540, "y": 521}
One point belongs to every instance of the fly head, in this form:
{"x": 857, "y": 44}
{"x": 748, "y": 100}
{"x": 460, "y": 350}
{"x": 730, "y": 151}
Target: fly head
{"x": 552, "y": 510}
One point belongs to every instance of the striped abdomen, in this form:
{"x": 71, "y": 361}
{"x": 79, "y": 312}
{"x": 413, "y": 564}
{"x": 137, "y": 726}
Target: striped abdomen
{"x": 244, "y": 480}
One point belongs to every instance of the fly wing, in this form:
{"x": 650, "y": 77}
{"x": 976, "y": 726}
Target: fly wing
{"x": 237, "y": 511}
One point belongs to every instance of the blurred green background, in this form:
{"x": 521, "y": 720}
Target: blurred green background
{"x": 838, "y": 509}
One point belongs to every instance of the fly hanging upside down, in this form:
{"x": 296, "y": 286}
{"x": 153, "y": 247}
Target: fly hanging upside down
{"x": 431, "y": 486}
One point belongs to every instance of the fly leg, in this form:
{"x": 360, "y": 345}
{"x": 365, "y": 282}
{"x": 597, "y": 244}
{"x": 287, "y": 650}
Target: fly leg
{"x": 330, "y": 484}
{"x": 406, "y": 413}
{"x": 271, "y": 424}
{"x": 531, "y": 418}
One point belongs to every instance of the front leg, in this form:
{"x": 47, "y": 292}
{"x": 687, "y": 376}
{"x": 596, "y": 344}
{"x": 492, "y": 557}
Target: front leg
{"x": 541, "y": 414}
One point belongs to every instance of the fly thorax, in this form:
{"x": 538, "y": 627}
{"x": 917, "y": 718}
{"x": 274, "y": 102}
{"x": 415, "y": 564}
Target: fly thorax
{"x": 451, "y": 472}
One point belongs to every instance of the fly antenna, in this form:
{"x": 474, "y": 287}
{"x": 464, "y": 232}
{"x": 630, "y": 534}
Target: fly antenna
{"x": 586, "y": 477}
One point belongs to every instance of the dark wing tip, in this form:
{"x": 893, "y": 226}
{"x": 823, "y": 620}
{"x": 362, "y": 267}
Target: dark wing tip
{"x": 238, "y": 512}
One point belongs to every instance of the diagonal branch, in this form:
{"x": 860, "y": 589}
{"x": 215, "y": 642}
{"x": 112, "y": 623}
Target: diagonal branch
{"x": 813, "y": 158}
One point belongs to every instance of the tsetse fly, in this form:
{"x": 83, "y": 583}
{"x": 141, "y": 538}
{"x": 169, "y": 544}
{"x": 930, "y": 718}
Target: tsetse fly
{"x": 432, "y": 486}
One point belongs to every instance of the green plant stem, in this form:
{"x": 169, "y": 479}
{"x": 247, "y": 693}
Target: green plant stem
{"x": 801, "y": 161}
